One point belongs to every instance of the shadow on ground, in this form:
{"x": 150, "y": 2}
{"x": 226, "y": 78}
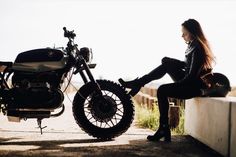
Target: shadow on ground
{"x": 181, "y": 146}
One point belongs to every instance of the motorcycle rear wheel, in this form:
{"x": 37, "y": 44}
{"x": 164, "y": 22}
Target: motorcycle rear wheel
{"x": 103, "y": 117}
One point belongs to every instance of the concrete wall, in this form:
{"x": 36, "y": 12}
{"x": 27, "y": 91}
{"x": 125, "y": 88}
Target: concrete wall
{"x": 212, "y": 121}
{"x": 233, "y": 130}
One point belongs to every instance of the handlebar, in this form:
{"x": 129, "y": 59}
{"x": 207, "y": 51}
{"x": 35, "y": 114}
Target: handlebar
{"x": 69, "y": 34}
{"x": 72, "y": 48}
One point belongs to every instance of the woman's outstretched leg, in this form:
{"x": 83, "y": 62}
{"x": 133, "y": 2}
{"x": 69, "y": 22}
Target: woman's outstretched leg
{"x": 171, "y": 66}
{"x": 137, "y": 83}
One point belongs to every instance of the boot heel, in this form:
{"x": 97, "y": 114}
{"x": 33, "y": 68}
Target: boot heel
{"x": 135, "y": 85}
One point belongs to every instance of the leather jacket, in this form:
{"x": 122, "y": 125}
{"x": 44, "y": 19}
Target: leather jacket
{"x": 194, "y": 59}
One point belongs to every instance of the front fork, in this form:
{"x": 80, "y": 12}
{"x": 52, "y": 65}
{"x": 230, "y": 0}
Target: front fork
{"x": 87, "y": 70}
{"x": 85, "y": 67}
{"x": 97, "y": 94}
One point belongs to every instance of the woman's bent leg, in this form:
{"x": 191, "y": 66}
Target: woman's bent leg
{"x": 174, "y": 90}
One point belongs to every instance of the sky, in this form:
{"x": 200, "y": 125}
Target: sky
{"x": 128, "y": 37}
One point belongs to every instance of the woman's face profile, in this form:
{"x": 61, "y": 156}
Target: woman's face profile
{"x": 186, "y": 35}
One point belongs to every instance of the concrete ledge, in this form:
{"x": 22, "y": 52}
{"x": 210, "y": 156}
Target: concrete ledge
{"x": 233, "y": 131}
{"x": 213, "y": 122}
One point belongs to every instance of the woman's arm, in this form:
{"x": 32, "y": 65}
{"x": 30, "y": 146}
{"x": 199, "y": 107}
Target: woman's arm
{"x": 193, "y": 64}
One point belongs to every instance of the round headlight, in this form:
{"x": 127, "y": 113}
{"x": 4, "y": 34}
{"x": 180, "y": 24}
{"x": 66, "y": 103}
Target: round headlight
{"x": 86, "y": 53}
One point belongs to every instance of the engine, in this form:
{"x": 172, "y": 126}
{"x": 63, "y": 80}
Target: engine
{"x": 36, "y": 90}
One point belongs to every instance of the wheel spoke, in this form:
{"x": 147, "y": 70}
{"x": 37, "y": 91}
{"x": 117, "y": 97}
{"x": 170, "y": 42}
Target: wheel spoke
{"x": 88, "y": 113}
{"x": 112, "y": 122}
{"x": 105, "y": 92}
{"x": 107, "y": 124}
{"x": 117, "y": 119}
{"x": 86, "y": 104}
{"x": 88, "y": 99}
{"x": 90, "y": 118}
{"x": 120, "y": 105}
{"x": 116, "y": 98}
{"x": 119, "y": 114}
{"x": 94, "y": 121}
{"x": 111, "y": 95}
{"x": 119, "y": 109}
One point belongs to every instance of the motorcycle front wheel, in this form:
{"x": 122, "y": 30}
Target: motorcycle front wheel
{"x": 103, "y": 115}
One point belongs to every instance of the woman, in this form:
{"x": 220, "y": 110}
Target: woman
{"x": 185, "y": 74}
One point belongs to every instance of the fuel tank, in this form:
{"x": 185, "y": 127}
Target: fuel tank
{"x": 40, "y": 60}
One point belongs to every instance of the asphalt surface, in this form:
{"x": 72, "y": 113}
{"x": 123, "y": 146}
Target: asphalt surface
{"x": 63, "y": 137}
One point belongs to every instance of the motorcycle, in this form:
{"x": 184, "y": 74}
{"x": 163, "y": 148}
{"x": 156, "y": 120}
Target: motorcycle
{"x": 31, "y": 87}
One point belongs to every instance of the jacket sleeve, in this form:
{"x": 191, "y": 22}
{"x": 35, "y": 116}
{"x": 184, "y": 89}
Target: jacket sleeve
{"x": 193, "y": 66}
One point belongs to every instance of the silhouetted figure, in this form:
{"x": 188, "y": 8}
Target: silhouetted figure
{"x": 185, "y": 74}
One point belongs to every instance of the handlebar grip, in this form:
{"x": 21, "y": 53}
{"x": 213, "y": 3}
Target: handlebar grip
{"x": 68, "y": 34}
{"x": 65, "y": 32}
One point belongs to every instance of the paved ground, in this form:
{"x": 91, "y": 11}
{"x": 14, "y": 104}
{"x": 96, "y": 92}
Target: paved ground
{"x": 63, "y": 137}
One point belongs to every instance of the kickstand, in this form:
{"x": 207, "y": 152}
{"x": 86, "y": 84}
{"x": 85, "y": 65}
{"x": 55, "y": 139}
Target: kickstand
{"x": 40, "y": 125}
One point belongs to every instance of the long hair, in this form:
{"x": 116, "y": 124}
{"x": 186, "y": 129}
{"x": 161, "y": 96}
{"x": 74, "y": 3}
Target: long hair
{"x": 196, "y": 31}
